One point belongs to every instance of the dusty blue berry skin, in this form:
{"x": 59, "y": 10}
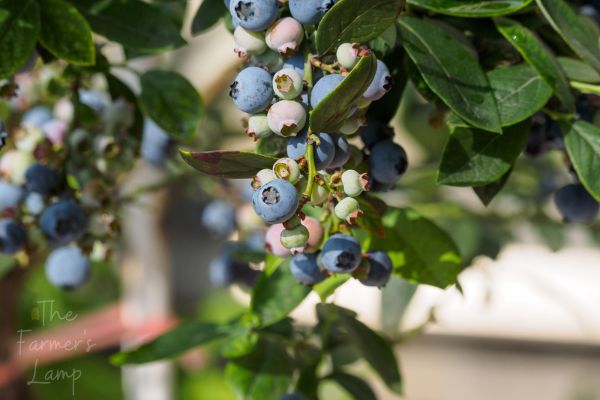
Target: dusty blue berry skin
{"x": 67, "y": 268}
{"x": 306, "y": 269}
{"x": 342, "y": 152}
{"x": 63, "y": 222}
{"x": 381, "y": 84}
{"x": 576, "y": 204}
{"x": 388, "y": 162}
{"x": 324, "y": 152}
{"x": 310, "y": 12}
{"x": 380, "y": 269}
{"x": 323, "y": 87}
{"x": 156, "y": 144}
{"x": 375, "y": 132}
{"x": 37, "y": 116}
{"x": 296, "y": 62}
{"x": 252, "y": 90}
{"x": 41, "y": 179}
{"x": 275, "y": 202}
{"x": 341, "y": 254}
{"x": 10, "y": 195}
{"x": 219, "y": 217}
{"x": 12, "y": 237}
{"x": 254, "y": 15}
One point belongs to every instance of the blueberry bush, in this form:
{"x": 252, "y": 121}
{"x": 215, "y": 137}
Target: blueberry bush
{"x": 503, "y": 97}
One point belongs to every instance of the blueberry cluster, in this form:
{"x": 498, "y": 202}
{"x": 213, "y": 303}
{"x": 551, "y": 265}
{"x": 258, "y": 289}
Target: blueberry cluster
{"x": 58, "y": 179}
{"x": 279, "y": 87}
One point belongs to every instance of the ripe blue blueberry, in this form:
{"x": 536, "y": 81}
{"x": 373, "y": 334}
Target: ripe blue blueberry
{"x": 63, "y": 222}
{"x": 10, "y": 195}
{"x": 34, "y": 203}
{"x": 219, "y": 217}
{"x": 254, "y": 15}
{"x": 94, "y": 99}
{"x": 252, "y": 90}
{"x": 3, "y": 135}
{"x": 155, "y": 143}
{"x": 375, "y": 132}
{"x": 41, "y": 179}
{"x": 324, "y": 150}
{"x": 37, "y": 116}
{"x": 306, "y": 270}
{"x": 310, "y": 12}
{"x": 380, "y": 269}
{"x": 341, "y": 254}
{"x": 296, "y": 62}
{"x": 323, "y": 87}
{"x": 576, "y": 204}
{"x": 67, "y": 268}
{"x": 381, "y": 84}
{"x": 388, "y": 162}
{"x": 12, "y": 237}
{"x": 342, "y": 152}
{"x": 276, "y": 202}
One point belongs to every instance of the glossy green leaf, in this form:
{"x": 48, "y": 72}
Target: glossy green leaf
{"x": 578, "y": 36}
{"x": 578, "y": 70}
{"x": 355, "y": 386}
{"x": 450, "y": 70}
{"x": 535, "y": 52}
{"x": 351, "y": 21}
{"x": 173, "y": 343}
{"x": 135, "y": 24}
{"x": 519, "y": 91}
{"x": 473, "y": 157}
{"x": 472, "y": 8}
{"x": 487, "y": 193}
{"x": 207, "y": 16}
{"x": 332, "y": 110}
{"x": 228, "y": 164}
{"x": 264, "y": 375}
{"x": 65, "y": 33}
{"x": 19, "y": 27}
{"x": 172, "y": 102}
{"x": 276, "y": 294}
{"x": 420, "y": 250}
{"x": 371, "y": 346}
{"x": 583, "y": 145}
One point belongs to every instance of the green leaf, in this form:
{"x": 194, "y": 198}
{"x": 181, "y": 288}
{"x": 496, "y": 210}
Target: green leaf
{"x": 135, "y": 24}
{"x": 583, "y": 145}
{"x": 519, "y": 91}
{"x": 472, "y": 8}
{"x": 356, "y": 387}
{"x": 329, "y": 285}
{"x": 239, "y": 343}
{"x": 578, "y": 36}
{"x": 535, "y": 52}
{"x": 450, "y": 70}
{"x": 332, "y": 110}
{"x": 351, "y": 21}
{"x": 487, "y": 193}
{"x": 578, "y": 70}
{"x": 277, "y": 294}
{"x": 207, "y": 16}
{"x": 228, "y": 164}
{"x": 473, "y": 157}
{"x": 65, "y": 33}
{"x": 264, "y": 375}
{"x": 172, "y": 102}
{"x": 173, "y": 343}
{"x": 19, "y": 27}
{"x": 370, "y": 221}
{"x": 371, "y": 346}
{"x": 420, "y": 251}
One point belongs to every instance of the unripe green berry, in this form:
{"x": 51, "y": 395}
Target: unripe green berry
{"x": 288, "y": 84}
{"x": 346, "y": 207}
{"x": 258, "y": 126}
{"x": 249, "y": 43}
{"x": 295, "y": 238}
{"x": 288, "y": 169}
{"x": 354, "y": 183}
{"x": 347, "y": 55}
{"x": 263, "y": 177}
{"x": 352, "y": 125}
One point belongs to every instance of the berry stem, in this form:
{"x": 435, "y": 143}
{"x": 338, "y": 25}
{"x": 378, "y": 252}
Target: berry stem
{"x": 308, "y": 72}
{"x": 331, "y": 68}
{"x": 312, "y": 169}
